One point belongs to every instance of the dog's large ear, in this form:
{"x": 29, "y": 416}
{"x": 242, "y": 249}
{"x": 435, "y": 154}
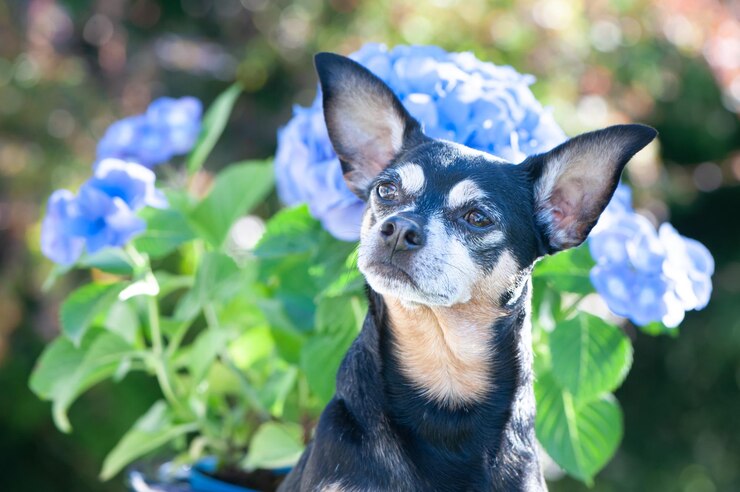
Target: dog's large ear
{"x": 367, "y": 124}
{"x": 574, "y": 182}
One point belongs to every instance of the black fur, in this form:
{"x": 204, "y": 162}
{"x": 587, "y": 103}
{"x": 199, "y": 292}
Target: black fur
{"x": 380, "y": 434}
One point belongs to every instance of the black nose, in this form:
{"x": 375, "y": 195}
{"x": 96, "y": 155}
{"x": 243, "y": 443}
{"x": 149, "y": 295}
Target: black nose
{"x": 402, "y": 233}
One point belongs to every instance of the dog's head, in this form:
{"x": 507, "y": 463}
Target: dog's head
{"x": 445, "y": 223}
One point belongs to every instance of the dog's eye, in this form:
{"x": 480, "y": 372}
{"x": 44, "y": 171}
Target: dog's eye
{"x": 476, "y": 218}
{"x": 387, "y": 191}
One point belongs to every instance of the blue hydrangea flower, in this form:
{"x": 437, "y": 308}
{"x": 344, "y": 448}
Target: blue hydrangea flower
{"x": 646, "y": 275}
{"x": 57, "y": 241}
{"x": 131, "y": 182}
{"x": 181, "y": 119}
{"x": 454, "y": 95}
{"x": 103, "y": 214}
{"x": 102, "y": 220}
{"x": 170, "y": 127}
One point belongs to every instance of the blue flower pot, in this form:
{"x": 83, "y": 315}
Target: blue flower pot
{"x": 167, "y": 477}
{"x": 201, "y": 481}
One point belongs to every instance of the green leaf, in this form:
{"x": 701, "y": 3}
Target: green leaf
{"x": 205, "y": 349}
{"x": 235, "y": 192}
{"x": 80, "y": 309}
{"x": 166, "y": 230}
{"x": 340, "y": 315}
{"x": 567, "y": 271}
{"x": 275, "y": 445}
{"x": 589, "y": 356}
{"x": 276, "y": 389}
{"x": 123, "y": 320}
{"x": 290, "y": 231}
{"x": 153, "y": 429}
{"x": 65, "y": 371}
{"x": 217, "y": 278}
{"x": 580, "y": 437}
{"x": 338, "y": 320}
{"x": 109, "y": 260}
{"x": 214, "y": 123}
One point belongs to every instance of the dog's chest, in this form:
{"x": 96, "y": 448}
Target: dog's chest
{"x": 446, "y": 354}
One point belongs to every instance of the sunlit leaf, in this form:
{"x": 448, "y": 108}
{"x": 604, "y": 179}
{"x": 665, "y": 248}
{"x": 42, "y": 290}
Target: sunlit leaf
{"x": 589, "y": 356}
{"x": 153, "y": 429}
{"x": 214, "y": 122}
{"x": 580, "y": 436}
{"x": 80, "y": 309}
{"x": 275, "y": 445}
{"x": 237, "y": 189}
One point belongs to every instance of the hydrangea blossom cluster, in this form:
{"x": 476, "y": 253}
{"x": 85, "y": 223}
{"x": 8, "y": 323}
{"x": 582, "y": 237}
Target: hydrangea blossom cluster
{"x": 644, "y": 274}
{"x": 102, "y": 214}
{"x": 454, "y": 95}
{"x": 168, "y": 128}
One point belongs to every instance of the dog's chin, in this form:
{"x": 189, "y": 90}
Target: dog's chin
{"x": 388, "y": 279}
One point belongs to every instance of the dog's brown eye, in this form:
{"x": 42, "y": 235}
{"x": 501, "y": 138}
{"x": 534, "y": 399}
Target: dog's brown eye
{"x": 476, "y": 218}
{"x": 387, "y": 191}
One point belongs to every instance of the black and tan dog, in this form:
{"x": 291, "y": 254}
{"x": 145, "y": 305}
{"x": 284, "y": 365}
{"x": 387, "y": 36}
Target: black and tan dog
{"x": 436, "y": 392}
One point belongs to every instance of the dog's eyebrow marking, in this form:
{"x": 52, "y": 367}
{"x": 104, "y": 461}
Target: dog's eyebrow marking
{"x": 412, "y": 178}
{"x": 464, "y": 192}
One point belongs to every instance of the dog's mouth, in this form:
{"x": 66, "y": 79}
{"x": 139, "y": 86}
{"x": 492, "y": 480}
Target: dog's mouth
{"x": 386, "y": 277}
{"x": 393, "y": 272}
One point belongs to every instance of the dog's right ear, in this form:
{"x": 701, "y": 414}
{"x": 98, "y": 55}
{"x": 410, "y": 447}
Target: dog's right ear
{"x": 367, "y": 124}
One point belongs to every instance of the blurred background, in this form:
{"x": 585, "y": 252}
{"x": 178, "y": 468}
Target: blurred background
{"x": 69, "y": 68}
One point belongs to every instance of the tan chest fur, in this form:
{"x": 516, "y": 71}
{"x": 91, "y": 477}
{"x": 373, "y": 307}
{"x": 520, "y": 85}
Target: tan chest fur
{"x": 445, "y": 351}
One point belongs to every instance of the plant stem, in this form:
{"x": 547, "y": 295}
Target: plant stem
{"x": 143, "y": 268}
{"x": 212, "y": 319}
{"x": 160, "y": 365}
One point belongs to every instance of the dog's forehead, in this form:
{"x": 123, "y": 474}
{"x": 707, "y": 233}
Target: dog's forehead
{"x": 449, "y": 171}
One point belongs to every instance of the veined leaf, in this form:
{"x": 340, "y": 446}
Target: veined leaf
{"x": 567, "y": 271}
{"x": 80, "y": 309}
{"x": 214, "y": 123}
{"x": 275, "y": 445}
{"x": 580, "y": 437}
{"x": 65, "y": 371}
{"x": 290, "y": 231}
{"x": 166, "y": 230}
{"x": 589, "y": 356}
{"x": 236, "y": 191}
{"x": 153, "y": 429}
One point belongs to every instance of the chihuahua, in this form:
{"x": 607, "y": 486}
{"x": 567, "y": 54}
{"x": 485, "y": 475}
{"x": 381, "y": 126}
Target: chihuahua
{"x": 436, "y": 392}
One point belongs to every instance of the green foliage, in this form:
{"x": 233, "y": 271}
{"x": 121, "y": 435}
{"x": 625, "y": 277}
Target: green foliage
{"x": 275, "y": 445}
{"x": 65, "y": 370}
{"x": 580, "y": 435}
{"x": 79, "y": 311}
{"x": 153, "y": 429}
{"x": 589, "y": 356}
{"x": 166, "y": 230}
{"x": 236, "y": 191}
{"x": 214, "y": 123}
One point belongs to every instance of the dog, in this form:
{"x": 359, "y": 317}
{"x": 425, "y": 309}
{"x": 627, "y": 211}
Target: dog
{"x": 436, "y": 392}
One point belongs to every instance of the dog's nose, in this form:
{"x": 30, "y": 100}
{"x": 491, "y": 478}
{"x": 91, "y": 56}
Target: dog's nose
{"x": 402, "y": 233}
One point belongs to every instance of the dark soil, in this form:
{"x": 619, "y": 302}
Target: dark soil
{"x": 262, "y": 480}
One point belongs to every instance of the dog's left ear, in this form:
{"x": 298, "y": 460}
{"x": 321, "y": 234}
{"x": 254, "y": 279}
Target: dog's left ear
{"x": 368, "y": 126}
{"x": 574, "y": 182}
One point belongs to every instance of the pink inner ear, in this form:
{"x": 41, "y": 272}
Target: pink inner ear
{"x": 571, "y": 211}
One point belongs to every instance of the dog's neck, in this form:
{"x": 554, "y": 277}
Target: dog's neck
{"x": 457, "y": 374}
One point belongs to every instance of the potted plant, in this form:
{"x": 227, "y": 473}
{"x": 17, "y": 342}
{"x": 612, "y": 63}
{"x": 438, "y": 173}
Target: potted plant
{"x": 242, "y": 313}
